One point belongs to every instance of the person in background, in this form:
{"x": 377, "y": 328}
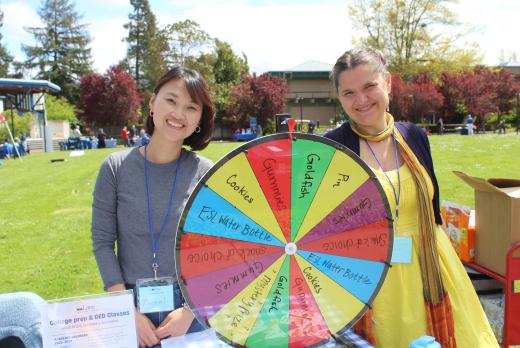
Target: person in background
{"x": 77, "y": 132}
{"x": 440, "y": 126}
{"x": 310, "y": 127}
{"x": 502, "y": 127}
{"x": 430, "y": 294}
{"x": 101, "y": 137}
{"x": 469, "y": 124}
{"x": 23, "y": 142}
{"x": 140, "y": 194}
{"x": 145, "y": 139}
{"x": 125, "y": 137}
{"x": 18, "y": 148}
{"x": 7, "y": 149}
{"x": 75, "y": 138}
{"x": 132, "y": 135}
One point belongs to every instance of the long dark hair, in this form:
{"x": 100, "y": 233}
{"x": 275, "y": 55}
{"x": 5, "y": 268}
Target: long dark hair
{"x": 199, "y": 92}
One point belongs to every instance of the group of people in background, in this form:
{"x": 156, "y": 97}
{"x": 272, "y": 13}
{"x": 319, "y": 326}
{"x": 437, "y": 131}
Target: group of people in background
{"x": 14, "y": 149}
{"x": 131, "y": 138}
{"x": 79, "y": 141}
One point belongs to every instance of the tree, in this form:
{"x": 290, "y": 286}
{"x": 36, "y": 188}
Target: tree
{"x": 397, "y": 98}
{"x": 186, "y": 39}
{"x": 506, "y": 91}
{"x": 60, "y": 54}
{"x": 58, "y": 108}
{"x": 222, "y": 69}
{"x": 5, "y": 57}
{"x": 425, "y": 99}
{"x": 259, "y": 96}
{"x": 109, "y": 99}
{"x": 415, "y": 100}
{"x": 18, "y": 123}
{"x": 448, "y": 86}
{"x": 228, "y": 67}
{"x": 471, "y": 92}
{"x": 404, "y": 31}
{"x": 145, "y": 56}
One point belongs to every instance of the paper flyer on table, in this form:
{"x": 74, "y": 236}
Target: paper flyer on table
{"x": 105, "y": 320}
{"x": 203, "y": 339}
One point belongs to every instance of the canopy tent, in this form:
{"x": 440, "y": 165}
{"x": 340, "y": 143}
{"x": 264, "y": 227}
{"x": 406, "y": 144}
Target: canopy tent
{"x": 27, "y": 95}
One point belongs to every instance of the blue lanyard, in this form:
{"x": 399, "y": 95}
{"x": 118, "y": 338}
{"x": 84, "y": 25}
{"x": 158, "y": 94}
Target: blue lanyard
{"x": 397, "y": 196}
{"x": 155, "y": 243}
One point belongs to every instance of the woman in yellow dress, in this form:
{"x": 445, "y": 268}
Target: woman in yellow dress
{"x": 430, "y": 293}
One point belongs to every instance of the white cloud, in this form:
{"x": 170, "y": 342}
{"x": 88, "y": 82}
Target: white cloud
{"x": 18, "y": 15}
{"x": 107, "y": 45}
{"x": 275, "y": 37}
{"x": 496, "y": 24}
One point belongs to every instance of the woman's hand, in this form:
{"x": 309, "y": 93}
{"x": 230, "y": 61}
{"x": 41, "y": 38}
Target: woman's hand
{"x": 175, "y": 324}
{"x": 145, "y": 330}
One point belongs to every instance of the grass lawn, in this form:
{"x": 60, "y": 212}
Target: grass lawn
{"x": 45, "y": 244}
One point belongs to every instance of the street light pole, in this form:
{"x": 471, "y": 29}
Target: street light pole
{"x": 517, "y": 113}
{"x": 300, "y": 101}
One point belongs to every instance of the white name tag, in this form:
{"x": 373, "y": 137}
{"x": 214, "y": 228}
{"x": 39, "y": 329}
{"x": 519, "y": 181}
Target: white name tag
{"x": 402, "y": 250}
{"x": 155, "y": 295}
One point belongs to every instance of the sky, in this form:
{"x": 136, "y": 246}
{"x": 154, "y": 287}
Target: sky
{"x": 275, "y": 35}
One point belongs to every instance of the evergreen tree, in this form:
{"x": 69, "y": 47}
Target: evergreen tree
{"x": 228, "y": 67}
{"x": 147, "y": 47}
{"x": 5, "y": 57}
{"x": 60, "y": 54}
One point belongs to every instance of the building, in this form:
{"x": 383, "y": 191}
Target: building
{"x": 514, "y": 68}
{"x": 311, "y": 95}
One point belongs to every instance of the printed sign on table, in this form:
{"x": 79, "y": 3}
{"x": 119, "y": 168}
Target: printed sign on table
{"x": 105, "y": 320}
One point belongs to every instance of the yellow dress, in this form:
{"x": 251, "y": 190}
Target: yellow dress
{"x": 399, "y": 309}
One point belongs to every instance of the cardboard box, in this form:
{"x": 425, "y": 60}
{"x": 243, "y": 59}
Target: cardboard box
{"x": 497, "y": 219}
{"x": 458, "y": 223}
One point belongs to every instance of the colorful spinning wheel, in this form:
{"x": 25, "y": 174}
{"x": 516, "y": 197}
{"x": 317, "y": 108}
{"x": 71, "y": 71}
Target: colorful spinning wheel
{"x": 284, "y": 241}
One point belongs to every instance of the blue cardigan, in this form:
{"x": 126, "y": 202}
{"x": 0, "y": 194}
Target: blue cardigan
{"x": 414, "y": 137}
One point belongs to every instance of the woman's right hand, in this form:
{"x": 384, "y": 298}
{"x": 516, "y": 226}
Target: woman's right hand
{"x": 145, "y": 330}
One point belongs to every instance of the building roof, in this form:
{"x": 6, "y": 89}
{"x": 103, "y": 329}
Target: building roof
{"x": 511, "y": 64}
{"x": 311, "y": 69}
{"x": 20, "y": 86}
{"x": 312, "y": 65}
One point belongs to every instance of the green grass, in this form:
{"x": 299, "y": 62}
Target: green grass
{"x": 45, "y": 244}
{"x": 485, "y": 156}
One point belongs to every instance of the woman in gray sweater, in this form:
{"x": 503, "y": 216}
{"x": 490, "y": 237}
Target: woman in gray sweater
{"x": 138, "y": 199}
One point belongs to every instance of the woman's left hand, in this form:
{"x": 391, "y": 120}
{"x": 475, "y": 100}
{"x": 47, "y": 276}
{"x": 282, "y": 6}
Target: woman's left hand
{"x": 175, "y": 324}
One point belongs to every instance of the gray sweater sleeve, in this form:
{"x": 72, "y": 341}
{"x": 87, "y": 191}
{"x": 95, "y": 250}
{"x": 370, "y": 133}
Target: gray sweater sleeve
{"x": 104, "y": 223}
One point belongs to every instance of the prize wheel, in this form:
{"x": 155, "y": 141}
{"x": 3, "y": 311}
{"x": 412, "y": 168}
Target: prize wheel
{"x": 285, "y": 240}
